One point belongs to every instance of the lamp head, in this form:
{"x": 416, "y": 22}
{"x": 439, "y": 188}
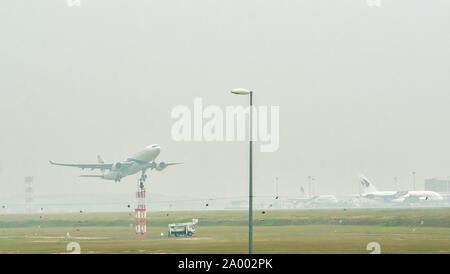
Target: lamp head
{"x": 241, "y": 91}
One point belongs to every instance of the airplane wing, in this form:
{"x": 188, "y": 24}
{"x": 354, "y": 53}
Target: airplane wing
{"x": 162, "y": 165}
{"x": 173, "y": 163}
{"x": 87, "y": 166}
{"x": 153, "y": 165}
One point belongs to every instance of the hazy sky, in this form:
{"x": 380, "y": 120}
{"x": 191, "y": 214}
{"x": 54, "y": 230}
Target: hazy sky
{"x": 360, "y": 89}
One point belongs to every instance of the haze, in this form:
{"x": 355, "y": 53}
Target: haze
{"x": 361, "y": 90}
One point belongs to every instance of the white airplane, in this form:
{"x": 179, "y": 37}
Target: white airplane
{"x": 141, "y": 161}
{"x": 369, "y": 191}
{"x": 325, "y": 199}
{"x": 317, "y": 200}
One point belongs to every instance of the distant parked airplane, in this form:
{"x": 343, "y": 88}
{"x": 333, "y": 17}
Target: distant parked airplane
{"x": 369, "y": 191}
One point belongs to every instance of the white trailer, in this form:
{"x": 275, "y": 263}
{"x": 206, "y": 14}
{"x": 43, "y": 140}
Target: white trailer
{"x": 183, "y": 229}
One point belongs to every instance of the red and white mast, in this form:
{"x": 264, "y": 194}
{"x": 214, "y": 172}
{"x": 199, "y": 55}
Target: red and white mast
{"x": 141, "y": 212}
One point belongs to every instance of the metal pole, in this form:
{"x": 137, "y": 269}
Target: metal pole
{"x": 313, "y": 186}
{"x": 414, "y": 180}
{"x": 309, "y": 187}
{"x": 250, "y": 197}
{"x": 276, "y": 178}
{"x": 359, "y": 191}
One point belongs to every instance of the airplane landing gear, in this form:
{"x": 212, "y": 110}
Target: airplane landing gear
{"x": 142, "y": 179}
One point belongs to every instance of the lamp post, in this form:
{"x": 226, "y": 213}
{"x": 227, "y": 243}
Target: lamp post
{"x": 414, "y": 180}
{"x": 241, "y": 91}
{"x": 276, "y": 182}
{"x": 309, "y": 187}
{"x": 314, "y": 186}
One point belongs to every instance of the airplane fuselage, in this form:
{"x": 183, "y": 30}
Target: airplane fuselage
{"x": 404, "y": 196}
{"x": 133, "y": 164}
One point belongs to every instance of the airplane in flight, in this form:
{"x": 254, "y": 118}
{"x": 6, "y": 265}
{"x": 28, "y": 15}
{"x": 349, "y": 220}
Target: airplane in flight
{"x": 138, "y": 162}
{"x": 369, "y": 191}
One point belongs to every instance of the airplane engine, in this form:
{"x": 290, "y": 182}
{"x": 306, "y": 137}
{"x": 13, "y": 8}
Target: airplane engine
{"x": 116, "y": 166}
{"x": 118, "y": 177}
{"x": 161, "y": 166}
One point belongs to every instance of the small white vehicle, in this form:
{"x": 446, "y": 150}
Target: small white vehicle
{"x": 183, "y": 229}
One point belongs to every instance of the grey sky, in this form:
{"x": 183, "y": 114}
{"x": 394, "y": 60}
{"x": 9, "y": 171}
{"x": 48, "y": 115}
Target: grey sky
{"x": 360, "y": 89}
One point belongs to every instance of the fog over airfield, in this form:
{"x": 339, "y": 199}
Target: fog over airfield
{"x": 360, "y": 89}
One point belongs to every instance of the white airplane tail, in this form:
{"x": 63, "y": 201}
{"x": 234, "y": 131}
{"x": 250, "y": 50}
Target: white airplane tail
{"x": 100, "y": 159}
{"x": 367, "y": 186}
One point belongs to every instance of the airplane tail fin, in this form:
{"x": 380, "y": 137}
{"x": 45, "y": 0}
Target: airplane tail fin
{"x": 100, "y": 159}
{"x": 367, "y": 186}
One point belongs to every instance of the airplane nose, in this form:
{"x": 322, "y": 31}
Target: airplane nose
{"x": 154, "y": 147}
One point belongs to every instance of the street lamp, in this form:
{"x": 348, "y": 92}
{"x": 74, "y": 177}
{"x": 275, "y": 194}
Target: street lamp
{"x": 241, "y": 91}
{"x": 309, "y": 186}
{"x": 414, "y": 180}
{"x": 314, "y": 186}
{"x": 276, "y": 185}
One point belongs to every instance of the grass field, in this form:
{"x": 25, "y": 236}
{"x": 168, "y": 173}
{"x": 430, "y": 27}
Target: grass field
{"x": 282, "y": 231}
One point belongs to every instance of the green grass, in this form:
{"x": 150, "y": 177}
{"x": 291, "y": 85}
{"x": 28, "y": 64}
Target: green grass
{"x": 291, "y": 231}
